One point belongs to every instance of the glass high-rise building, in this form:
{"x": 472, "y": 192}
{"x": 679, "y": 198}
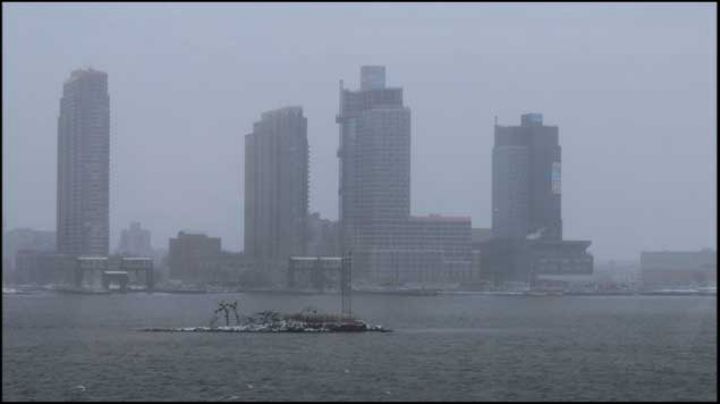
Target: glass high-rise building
{"x": 527, "y": 232}
{"x": 526, "y": 181}
{"x": 374, "y": 167}
{"x": 388, "y": 245}
{"x": 276, "y": 186}
{"x": 83, "y": 174}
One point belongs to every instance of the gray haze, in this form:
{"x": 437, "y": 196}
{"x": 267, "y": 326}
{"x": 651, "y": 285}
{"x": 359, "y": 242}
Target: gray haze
{"x": 631, "y": 86}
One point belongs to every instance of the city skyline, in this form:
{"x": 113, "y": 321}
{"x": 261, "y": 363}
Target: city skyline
{"x": 452, "y": 140}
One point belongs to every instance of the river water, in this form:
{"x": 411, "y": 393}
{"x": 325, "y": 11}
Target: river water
{"x": 469, "y": 347}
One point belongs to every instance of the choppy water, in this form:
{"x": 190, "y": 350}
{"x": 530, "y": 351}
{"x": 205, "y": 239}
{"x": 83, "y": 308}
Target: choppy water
{"x": 467, "y": 347}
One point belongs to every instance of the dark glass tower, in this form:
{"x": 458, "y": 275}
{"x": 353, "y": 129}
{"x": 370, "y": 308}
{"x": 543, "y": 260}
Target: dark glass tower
{"x": 527, "y": 238}
{"x": 84, "y": 165}
{"x": 526, "y": 181}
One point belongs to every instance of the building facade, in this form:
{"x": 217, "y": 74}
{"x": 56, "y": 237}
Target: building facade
{"x": 135, "y": 241}
{"x": 678, "y": 269}
{"x": 526, "y": 209}
{"x": 194, "y": 258}
{"x": 374, "y": 153}
{"x": 526, "y": 180}
{"x": 23, "y": 239}
{"x": 276, "y": 187}
{"x": 84, "y": 165}
{"x": 439, "y": 247}
{"x": 387, "y": 244}
{"x": 42, "y": 267}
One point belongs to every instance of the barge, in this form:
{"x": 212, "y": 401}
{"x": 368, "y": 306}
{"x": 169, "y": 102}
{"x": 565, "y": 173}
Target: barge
{"x": 273, "y": 322}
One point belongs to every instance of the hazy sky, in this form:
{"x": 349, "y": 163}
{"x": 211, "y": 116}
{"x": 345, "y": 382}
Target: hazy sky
{"x": 632, "y": 88}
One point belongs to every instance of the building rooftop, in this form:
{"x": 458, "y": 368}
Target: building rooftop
{"x": 89, "y": 72}
{"x": 289, "y": 110}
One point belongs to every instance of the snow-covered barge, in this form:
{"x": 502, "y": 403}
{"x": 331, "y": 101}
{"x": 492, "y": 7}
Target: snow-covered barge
{"x": 270, "y": 321}
{"x": 309, "y": 320}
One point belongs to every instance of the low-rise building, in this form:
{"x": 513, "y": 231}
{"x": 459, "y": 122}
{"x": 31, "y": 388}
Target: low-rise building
{"x": 520, "y": 261}
{"x": 430, "y": 249}
{"x": 678, "y": 269}
{"x": 41, "y": 242}
{"x": 38, "y": 267}
{"x": 194, "y": 258}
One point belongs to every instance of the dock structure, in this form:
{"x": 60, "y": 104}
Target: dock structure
{"x": 318, "y": 267}
{"x": 99, "y": 272}
{"x": 141, "y": 268}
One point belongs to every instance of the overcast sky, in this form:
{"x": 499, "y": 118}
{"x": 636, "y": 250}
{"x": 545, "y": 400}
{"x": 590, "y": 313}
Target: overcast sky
{"x": 632, "y": 87}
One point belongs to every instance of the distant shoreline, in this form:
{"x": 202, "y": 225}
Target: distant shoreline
{"x": 406, "y": 293}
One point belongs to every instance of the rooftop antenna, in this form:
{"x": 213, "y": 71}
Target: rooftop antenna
{"x": 495, "y": 120}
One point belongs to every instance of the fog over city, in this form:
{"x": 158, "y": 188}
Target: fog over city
{"x": 632, "y": 88}
{"x": 359, "y": 202}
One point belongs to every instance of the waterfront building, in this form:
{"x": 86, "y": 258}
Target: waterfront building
{"x": 678, "y": 269}
{"x": 526, "y": 208}
{"x": 388, "y": 245}
{"x": 193, "y": 258}
{"x": 438, "y": 249}
{"x": 374, "y": 153}
{"x": 526, "y": 180}
{"x": 83, "y": 165}
{"x": 276, "y": 188}
{"x": 26, "y": 239}
{"x": 38, "y": 267}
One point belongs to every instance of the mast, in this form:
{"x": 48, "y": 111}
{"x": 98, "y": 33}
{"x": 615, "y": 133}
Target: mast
{"x": 346, "y": 284}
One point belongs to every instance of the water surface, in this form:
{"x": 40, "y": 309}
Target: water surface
{"x": 468, "y": 347}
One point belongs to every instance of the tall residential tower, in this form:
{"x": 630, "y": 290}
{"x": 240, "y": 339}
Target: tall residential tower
{"x": 374, "y": 166}
{"x": 526, "y": 211}
{"x": 276, "y": 186}
{"x": 84, "y": 165}
{"x": 526, "y": 180}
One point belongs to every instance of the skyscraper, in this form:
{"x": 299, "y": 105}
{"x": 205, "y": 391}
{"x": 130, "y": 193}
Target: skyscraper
{"x": 526, "y": 181}
{"x": 374, "y": 166}
{"x": 276, "y": 186}
{"x": 83, "y": 165}
{"x": 526, "y": 211}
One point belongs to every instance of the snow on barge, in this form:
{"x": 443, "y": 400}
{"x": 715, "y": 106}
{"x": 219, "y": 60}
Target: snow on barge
{"x": 273, "y": 322}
